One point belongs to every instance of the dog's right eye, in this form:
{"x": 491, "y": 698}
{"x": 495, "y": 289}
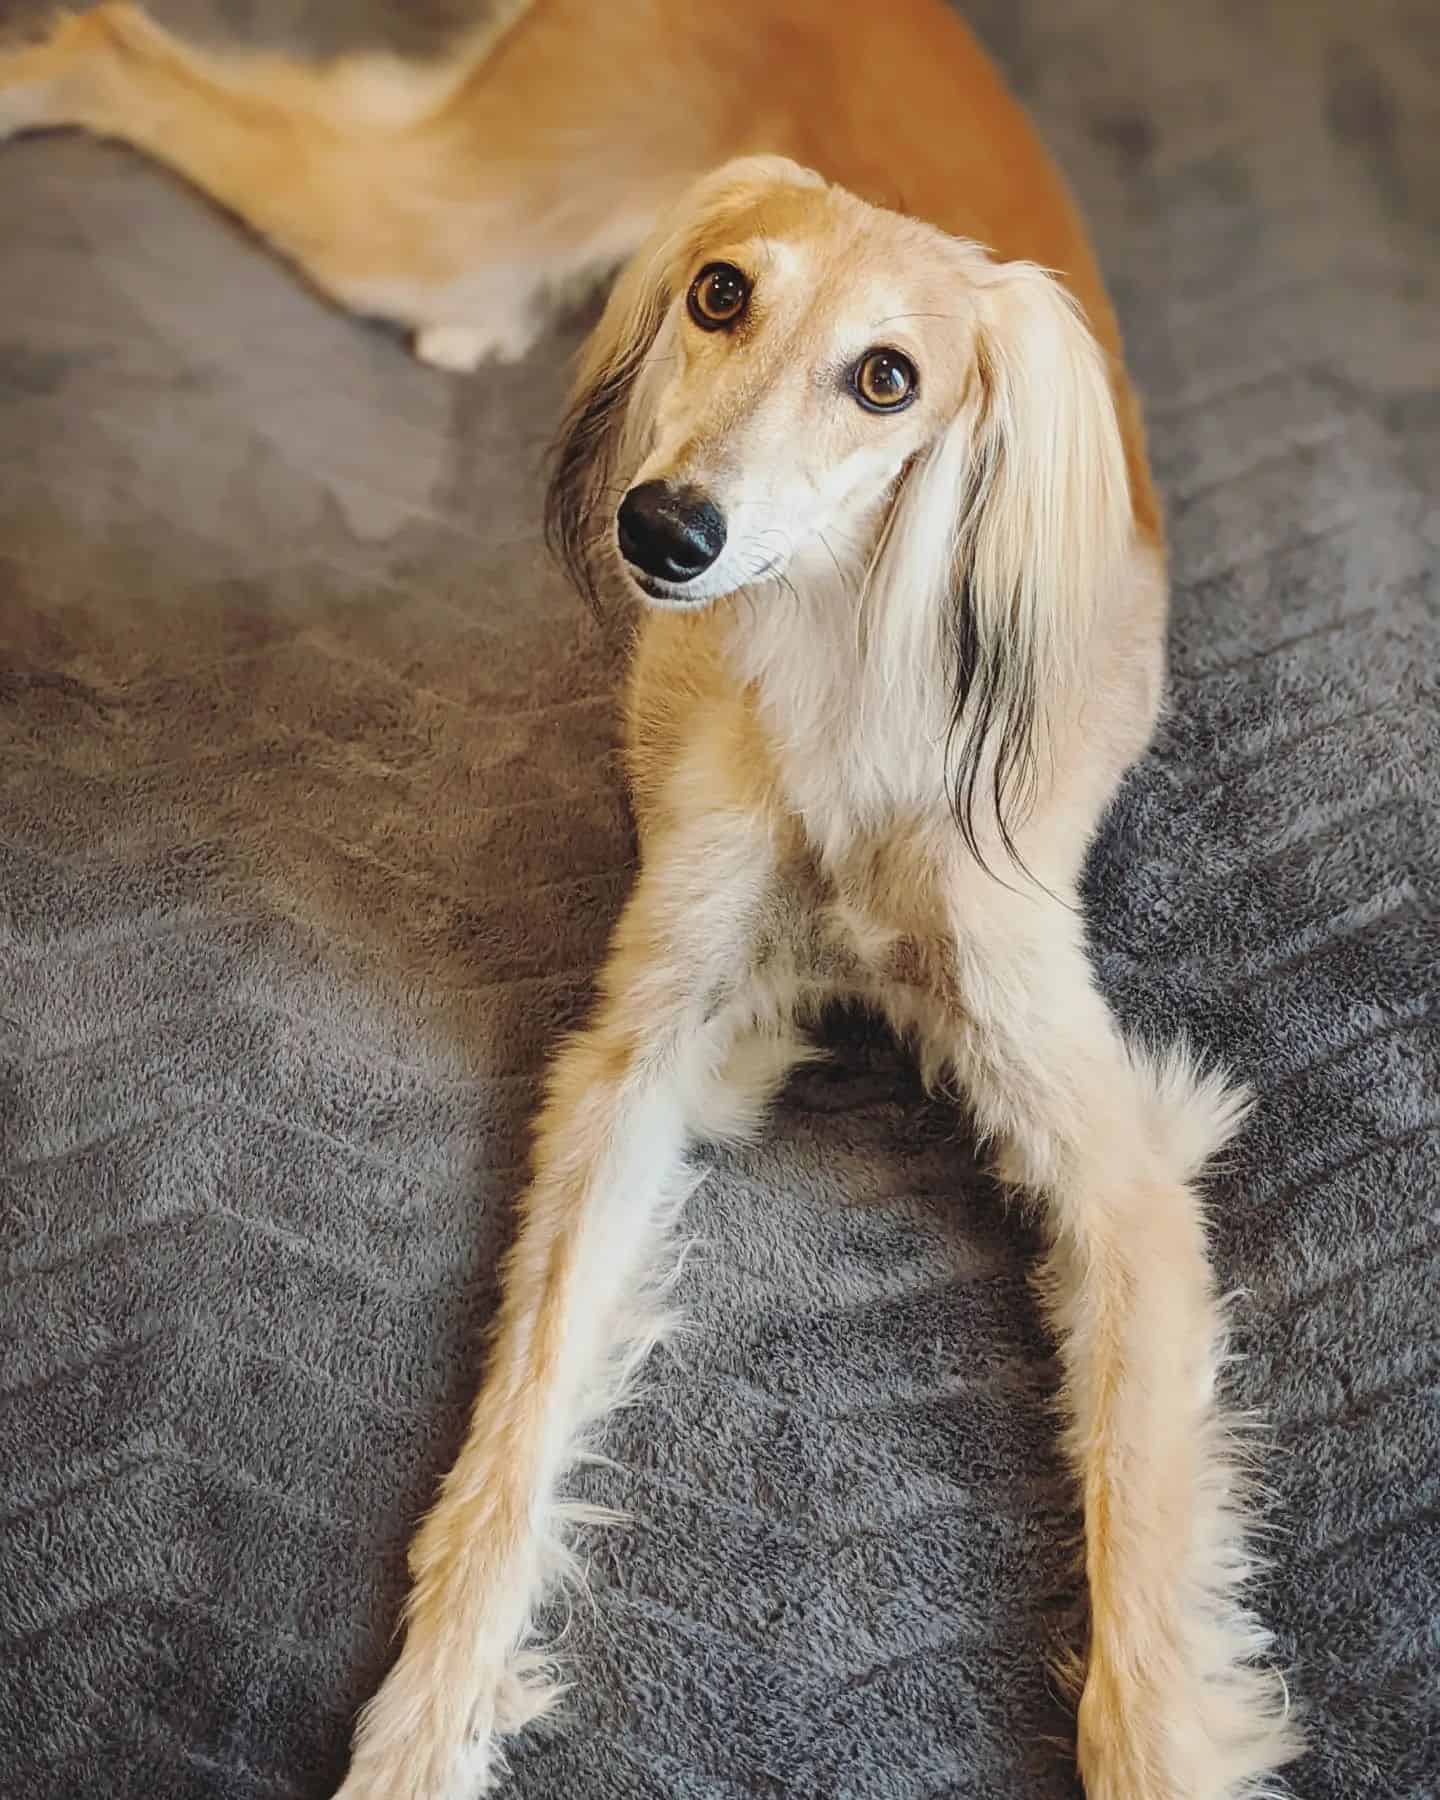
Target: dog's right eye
{"x": 718, "y": 296}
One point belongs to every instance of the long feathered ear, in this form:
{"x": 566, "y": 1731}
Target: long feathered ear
{"x": 608, "y": 417}
{"x": 586, "y": 452}
{"x": 1014, "y": 526}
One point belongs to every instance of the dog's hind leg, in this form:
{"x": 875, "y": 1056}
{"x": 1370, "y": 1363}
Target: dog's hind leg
{"x": 267, "y": 144}
{"x": 454, "y": 197}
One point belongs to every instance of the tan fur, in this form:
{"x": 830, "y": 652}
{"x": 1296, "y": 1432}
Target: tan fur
{"x": 790, "y": 735}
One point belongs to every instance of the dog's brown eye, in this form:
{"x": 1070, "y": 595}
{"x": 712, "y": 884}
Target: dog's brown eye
{"x": 718, "y": 296}
{"x": 883, "y": 380}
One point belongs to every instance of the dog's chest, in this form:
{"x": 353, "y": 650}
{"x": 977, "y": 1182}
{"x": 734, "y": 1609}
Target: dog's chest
{"x": 856, "y": 747}
{"x": 870, "y": 918}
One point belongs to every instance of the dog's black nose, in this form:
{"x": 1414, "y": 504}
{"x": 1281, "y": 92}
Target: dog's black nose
{"x": 670, "y": 533}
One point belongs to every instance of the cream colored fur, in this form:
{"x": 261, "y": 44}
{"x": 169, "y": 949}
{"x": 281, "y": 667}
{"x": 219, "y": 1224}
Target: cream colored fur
{"x": 869, "y": 745}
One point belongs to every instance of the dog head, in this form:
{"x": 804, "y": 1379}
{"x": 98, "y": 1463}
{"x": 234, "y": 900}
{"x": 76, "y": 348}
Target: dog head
{"x": 791, "y": 386}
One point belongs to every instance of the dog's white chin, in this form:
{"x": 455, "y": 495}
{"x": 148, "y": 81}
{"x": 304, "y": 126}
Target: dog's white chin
{"x": 691, "y": 596}
{"x": 665, "y": 597}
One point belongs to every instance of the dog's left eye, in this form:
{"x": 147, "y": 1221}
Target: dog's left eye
{"x": 718, "y": 296}
{"x": 883, "y": 380}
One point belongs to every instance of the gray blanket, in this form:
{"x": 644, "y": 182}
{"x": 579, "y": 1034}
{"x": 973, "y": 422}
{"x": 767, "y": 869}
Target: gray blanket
{"x": 310, "y": 835}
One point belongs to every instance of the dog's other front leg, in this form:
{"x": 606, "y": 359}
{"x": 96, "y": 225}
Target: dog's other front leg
{"x": 1175, "y": 1705}
{"x": 609, "y": 1169}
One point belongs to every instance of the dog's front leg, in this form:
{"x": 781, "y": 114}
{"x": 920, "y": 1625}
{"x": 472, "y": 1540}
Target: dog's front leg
{"x": 609, "y": 1169}
{"x": 1176, "y": 1704}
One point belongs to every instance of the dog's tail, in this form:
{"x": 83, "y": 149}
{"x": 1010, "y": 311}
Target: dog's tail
{"x": 316, "y": 158}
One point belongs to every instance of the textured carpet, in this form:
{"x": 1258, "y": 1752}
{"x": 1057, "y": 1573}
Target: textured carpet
{"x": 310, "y": 834}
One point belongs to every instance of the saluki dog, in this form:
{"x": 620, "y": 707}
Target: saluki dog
{"x": 860, "y": 446}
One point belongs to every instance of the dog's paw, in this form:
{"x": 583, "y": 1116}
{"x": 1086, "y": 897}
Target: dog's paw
{"x": 38, "y": 57}
{"x": 1131, "y": 1735}
{"x": 462, "y": 349}
{"x": 1145, "y": 1738}
{"x": 24, "y": 97}
{"x": 438, "y": 1732}
{"x": 417, "y": 1769}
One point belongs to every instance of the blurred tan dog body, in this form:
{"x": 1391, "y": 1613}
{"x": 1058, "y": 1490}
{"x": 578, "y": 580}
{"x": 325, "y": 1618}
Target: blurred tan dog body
{"x": 886, "y": 496}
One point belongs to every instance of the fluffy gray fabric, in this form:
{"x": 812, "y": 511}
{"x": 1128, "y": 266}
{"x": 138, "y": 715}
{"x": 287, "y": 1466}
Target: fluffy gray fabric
{"x": 311, "y": 833}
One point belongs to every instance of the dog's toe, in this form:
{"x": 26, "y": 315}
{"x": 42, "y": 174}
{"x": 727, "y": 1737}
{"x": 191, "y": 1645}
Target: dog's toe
{"x": 461, "y": 349}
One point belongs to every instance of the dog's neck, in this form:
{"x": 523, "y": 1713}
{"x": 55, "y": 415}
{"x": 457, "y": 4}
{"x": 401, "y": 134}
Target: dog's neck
{"x": 852, "y": 704}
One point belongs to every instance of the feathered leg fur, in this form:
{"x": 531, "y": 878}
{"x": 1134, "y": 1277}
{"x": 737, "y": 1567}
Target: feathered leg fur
{"x": 679, "y": 1048}
{"x": 1176, "y": 1704}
